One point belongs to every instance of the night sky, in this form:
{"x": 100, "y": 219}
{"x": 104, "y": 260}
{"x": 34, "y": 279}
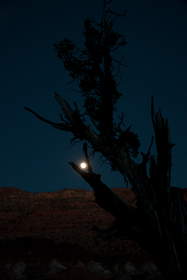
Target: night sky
{"x": 34, "y": 156}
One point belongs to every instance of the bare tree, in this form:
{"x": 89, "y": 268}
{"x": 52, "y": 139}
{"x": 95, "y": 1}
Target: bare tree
{"x": 158, "y": 221}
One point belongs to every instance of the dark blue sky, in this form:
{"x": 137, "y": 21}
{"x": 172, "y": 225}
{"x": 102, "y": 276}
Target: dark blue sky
{"x": 34, "y": 156}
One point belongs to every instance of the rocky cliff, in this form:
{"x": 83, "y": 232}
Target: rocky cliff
{"x": 43, "y": 231}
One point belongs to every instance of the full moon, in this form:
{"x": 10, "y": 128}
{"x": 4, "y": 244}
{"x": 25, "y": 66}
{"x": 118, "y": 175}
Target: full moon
{"x": 83, "y": 165}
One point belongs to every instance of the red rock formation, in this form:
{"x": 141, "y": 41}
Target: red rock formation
{"x": 66, "y": 216}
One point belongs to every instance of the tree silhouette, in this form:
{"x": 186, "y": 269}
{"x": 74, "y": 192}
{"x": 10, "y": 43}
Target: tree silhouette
{"x": 158, "y": 220}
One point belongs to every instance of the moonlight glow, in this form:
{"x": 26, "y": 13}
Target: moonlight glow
{"x": 83, "y": 165}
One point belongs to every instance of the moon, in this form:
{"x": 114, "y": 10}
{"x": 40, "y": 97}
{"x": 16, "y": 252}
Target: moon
{"x": 83, "y": 165}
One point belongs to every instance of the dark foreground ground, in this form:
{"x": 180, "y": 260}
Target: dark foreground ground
{"x": 52, "y": 236}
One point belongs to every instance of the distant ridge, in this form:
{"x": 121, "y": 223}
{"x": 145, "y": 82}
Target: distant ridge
{"x": 119, "y": 190}
{"x": 11, "y": 190}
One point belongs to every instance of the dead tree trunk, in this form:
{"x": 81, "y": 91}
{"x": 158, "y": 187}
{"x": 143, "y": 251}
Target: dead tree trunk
{"x": 153, "y": 232}
{"x": 158, "y": 222}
